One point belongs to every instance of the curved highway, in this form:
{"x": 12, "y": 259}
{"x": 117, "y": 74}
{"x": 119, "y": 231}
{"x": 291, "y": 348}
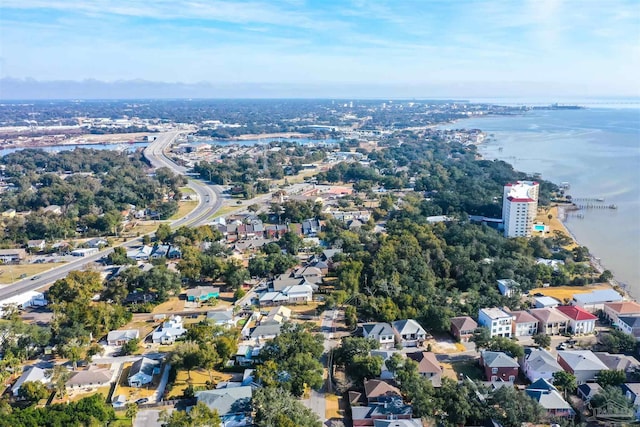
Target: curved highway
{"x": 209, "y": 201}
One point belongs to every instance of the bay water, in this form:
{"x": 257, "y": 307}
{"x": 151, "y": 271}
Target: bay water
{"x": 595, "y": 150}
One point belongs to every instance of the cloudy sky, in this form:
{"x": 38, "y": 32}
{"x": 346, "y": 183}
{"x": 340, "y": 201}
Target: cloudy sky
{"x": 579, "y": 47}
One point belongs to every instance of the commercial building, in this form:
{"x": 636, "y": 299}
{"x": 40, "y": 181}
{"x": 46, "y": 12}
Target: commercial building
{"x": 519, "y": 208}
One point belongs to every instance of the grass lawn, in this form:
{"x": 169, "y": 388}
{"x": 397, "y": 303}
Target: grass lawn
{"x": 199, "y": 377}
{"x": 554, "y": 224}
{"x": 186, "y": 190}
{"x": 562, "y": 292}
{"x": 173, "y": 304}
{"x": 225, "y": 210}
{"x": 121, "y": 420}
{"x": 11, "y": 273}
{"x": 468, "y": 368}
{"x": 184, "y": 207}
{"x": 143, "y": 227}
{"x": 135, "y": 393}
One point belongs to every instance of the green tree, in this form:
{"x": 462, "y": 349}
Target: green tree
{"x": 275, "y": 407}
{"x": 59, "y": 376}
{"x": 32, "y": 391}
{"x": 119, "y": 257}
{"x": 364, "y": 367}
{"x": 514, "y": 408}
{"x": 617, "y": 341}
{"x": 351, "y": 347}
{"x": 351, "y": 317}
{"x": 130, "y": 347}
{"x": 611, "y": 378}
{"x": 565, "y": 381}
{"x": 163, "y": 233}
{"x": 291, "y": 242}
{"x": 132, "y": 411}
{"x": 611, "y": 395}
{"x": 542, "y": 340}
{"x": 199, "y": 416}
{"x": 481, "y": 337}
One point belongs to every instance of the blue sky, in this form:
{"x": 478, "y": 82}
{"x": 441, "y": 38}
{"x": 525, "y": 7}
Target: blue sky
{"x": 583, "y": 47}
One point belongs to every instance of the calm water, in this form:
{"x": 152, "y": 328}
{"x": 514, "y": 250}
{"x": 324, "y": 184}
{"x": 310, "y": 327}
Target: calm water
{"x": 57, "y": 148}
{"x": 598, "y": 152}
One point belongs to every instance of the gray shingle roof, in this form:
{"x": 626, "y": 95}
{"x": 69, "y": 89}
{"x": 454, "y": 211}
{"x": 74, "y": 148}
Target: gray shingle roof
{"x": 498, "y": 359}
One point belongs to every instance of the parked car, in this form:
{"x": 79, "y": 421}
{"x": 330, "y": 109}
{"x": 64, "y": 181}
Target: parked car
{"x": 142, "y": 401}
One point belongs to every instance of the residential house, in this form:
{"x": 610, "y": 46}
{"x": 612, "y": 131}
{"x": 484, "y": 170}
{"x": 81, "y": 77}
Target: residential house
{"x": 53, "y": 209}
{"x": 376, "y": 390}
{"x": 551, "y": 321}
{"x": 545, "y": 302}
{"x": 169, "y": 331}
{"x": 297, "y": 294}
{"x": 159, "y": 251}
{"x": 509, "y": 287}
{"x": 629, "y": 325}
{"x": 613, "y": 310}
{"x": 381, "y": 332}
{"x": 265, "y": 332}
{"x": 409, "y": 332}
{"x": 462, "y": 328}
{"x": 586, "y": 391}
{"x": 539, "y": 363}
{"x": 202, "y": 293}
{"x": 90, "y": 378}
{"x": 524, "y": 324}
{"x": 36, "y": 245}
{"x": 496, "y": 320}
{"x": 550, "y": 399}
{"x": 498, "y": 366}
{"x": 97, "y": 243}
{"x": 428, "y": 366}
{"x": 595, "y": 300}
{"x": 120, "y": 337}
{"x": 581, "y": 363}
{"x": 139, "y": 298}
{"x": 12, "y": 256}
{"x": 310, "y": 274}
{"x": 311, "y": 227}
{"x": 387, "y": 409}
{"x": 632, "y": 393}
{"x": 581, "y": 322}
{"x": 142, "y": 372}
{"x": 618, "y": 362}
{"x": 223, "y": 318}
{"x": 30, "y": 374}
{"x": 277, "y": 315}
{"x": 174, "y": 252}
{"x": 140, "y": 254}
{"x": 385, "y": 374}
{"x": 275, "y": 231}
{"x": 233, "y": 404}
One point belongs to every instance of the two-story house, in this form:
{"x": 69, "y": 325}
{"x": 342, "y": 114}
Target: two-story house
{"x": 462, "y": 328}
{"x": 381, "y": 332}
{"x": 496, "y": 320}
{"x": 409, "y": 332}
{"x": 550, "y": 320}
{"x": 498, "y": 366}
{"x": 581, "y": 322}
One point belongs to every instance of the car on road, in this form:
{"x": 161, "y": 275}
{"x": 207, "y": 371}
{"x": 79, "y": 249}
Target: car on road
{"x": 35, "y": 277}
{"x": 142, "y": 401}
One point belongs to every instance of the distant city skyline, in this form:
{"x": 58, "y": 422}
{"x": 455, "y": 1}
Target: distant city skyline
{"x": 297, "y": 48}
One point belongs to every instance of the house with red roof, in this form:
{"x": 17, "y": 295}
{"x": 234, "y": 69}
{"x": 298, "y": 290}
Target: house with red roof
{"x": 580, "y": 320}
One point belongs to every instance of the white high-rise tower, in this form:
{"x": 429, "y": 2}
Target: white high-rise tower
{"x": 519, "y": 208}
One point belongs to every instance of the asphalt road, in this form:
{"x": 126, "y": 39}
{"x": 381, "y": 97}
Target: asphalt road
{"x": 209, "y": 201}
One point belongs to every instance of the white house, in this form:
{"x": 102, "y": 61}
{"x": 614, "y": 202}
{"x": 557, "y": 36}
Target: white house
{"x": 509, "y": 287}
{"x": 30, "y": 374}
{"x": 169, "y": 331}
{"x": 545, "y": 302}
{"x": 584, "y": 364}
{"x": 224, "y": 318}
{"x": 539, "y": 363}
{"x": 524, "y": 324}
{"x": 140, "y": 254}
{"x": 381, "y": 332}
{"x": 142, "y": 372}
{"x": 580, "y": 320}
{"x": 409, "y": 332}
{"x": 36, "y": 244}
{"x": 115, "y": 338}
{"x": 496, "y": 320}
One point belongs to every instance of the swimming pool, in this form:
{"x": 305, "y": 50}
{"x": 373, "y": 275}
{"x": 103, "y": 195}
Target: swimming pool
{"x": 539, "y": 227}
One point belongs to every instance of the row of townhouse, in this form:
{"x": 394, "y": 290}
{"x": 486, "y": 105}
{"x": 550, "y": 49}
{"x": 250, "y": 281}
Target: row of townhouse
{"x": 243, "y": 227}
{"x": 549, "y": 320}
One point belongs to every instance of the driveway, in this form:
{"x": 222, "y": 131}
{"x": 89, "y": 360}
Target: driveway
{"x": 148, "y": 417}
